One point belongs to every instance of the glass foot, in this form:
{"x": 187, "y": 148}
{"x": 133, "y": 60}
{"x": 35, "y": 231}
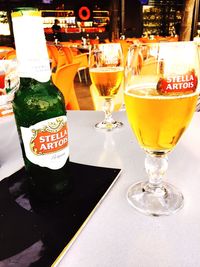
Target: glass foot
{"x": 108, "y": 125}
{"x": 6, "y": 109}
{"x": 155, "y": 201}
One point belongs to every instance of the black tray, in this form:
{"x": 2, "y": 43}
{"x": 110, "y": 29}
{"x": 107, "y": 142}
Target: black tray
{"x": 34, "y": 235}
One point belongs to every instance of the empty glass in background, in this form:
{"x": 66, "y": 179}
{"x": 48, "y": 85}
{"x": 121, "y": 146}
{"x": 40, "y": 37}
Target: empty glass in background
{"x": 9, "y": 83}
{"x": 161, "y": 90}
{"x": 107, "y": 71}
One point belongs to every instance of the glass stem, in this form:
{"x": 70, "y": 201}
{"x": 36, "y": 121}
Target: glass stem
{"x": 156, "y": 166}
{"x": 108, "y": 107}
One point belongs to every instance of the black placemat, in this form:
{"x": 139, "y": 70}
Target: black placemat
{"x": 34, "y": 235}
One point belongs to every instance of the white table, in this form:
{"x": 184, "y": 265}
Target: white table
{"x": 117, "y": 235}
{"x": 10, "y": 152}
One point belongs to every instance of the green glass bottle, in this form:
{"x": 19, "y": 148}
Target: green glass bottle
{"x": 39, "y": 111}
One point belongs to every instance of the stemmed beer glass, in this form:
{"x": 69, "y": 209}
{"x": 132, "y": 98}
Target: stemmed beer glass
{"x": 161, "y": 90}
{"x": 106, "y": 71}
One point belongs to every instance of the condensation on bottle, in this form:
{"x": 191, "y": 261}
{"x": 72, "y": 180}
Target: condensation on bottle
{"x": 39, "y": 110}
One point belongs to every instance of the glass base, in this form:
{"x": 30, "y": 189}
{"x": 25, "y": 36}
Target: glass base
{"x": 155, "y": 201}
{"x": 6, "y": 110}
{"x": 108, "y": 125}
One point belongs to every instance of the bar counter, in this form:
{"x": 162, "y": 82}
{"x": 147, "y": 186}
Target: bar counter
{"x": 117, "y": 235}
{"x": 77, "y": 36}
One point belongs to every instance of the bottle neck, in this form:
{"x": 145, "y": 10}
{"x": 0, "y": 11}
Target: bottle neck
{"x": 32, "y": 56}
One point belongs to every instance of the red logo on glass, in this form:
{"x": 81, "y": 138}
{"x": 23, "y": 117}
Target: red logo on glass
{"x": 178, "y": 84}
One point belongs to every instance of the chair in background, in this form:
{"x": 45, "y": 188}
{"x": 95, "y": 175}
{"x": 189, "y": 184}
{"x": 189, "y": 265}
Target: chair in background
{"x": 150, "y": 67}
{"x": 82, "y": 59}
{"x": 11, "y": 54}
{"x": 62, "y": 60}
{"x": 94, "y": 41}
{"x": 63, "y": 78}
{"x": 53, "y": 55}
{"x": 68, "y": 53}
{"x": 125, "y": 47}
{"x": 72, "y": 46}
{"x": 4, "y": 51}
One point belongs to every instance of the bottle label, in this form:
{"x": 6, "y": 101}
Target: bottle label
{"x": 46, "y": 142}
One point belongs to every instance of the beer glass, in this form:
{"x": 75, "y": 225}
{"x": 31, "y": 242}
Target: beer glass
{"x": 9, "y": 83}
{"x": 107, "y": 71}
{"x": 161, "y": 90}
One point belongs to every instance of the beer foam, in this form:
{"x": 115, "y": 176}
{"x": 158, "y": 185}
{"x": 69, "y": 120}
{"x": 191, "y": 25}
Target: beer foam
{"x": 150, "y": 92}
{"x": 107, "y": 69}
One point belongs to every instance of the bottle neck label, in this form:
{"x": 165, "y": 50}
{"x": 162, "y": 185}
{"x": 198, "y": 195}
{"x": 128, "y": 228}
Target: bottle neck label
{"x": 46, "y": 142}
{"x": 30, "y": 42}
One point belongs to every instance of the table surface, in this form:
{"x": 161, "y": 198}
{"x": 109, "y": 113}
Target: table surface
{"x": 117, "y": 235}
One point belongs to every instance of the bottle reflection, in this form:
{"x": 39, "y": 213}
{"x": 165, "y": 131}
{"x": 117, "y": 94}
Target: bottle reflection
{"x": 109, "y": 155}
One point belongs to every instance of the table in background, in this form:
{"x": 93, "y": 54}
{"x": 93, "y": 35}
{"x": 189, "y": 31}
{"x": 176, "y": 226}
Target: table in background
{"x": 117, "y": 235}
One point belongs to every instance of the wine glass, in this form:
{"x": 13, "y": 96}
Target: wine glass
{"x": 161, "y": 90}
{"x": 107, "y": 71}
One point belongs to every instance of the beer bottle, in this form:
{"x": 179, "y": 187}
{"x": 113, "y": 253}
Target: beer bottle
{"x": 39, "y": 110}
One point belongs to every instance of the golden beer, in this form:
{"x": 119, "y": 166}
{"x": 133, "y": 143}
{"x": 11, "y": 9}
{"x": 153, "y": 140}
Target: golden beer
{"x": 158, "y": 121}
{"x": 107, "y": 80}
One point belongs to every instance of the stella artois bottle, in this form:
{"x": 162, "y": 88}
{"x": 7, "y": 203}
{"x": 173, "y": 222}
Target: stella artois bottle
{"x": 39, "y": 110}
